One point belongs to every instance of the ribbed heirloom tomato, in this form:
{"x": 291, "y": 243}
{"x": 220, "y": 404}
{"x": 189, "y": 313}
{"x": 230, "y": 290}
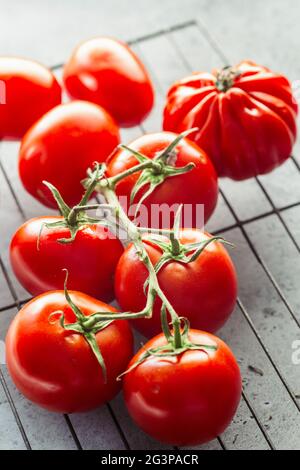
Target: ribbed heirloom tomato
{"x": 38, "y": 258}
{"x": 107, "y": 72}
{"x": 204, "y": 291}
{"x": 195, "y": 189}
{"x": 56, "y": 368}
{"x": 187, "y": 399}
{"x": 27, "y": 91}
{"x": 246, "y": 117}
{"x": 61, "y": 146}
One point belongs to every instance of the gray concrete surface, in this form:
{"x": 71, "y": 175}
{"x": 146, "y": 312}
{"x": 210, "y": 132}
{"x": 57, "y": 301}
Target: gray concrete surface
{"x": 266, "y": 321}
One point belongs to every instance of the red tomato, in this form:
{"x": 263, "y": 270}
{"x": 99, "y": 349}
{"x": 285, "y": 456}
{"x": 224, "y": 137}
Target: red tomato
{"x": 56, "y": 368}
{"x": 246, "y": 117}
{"x": 204, "y": 291}
{"x": 60, "y": 148}
{"x": 197, "y": 187}
{"x": 90, "y": 259}
{"x": 105, "y": 71}
{"x": 187, "y": 399}
{"x": 27, "y": 91}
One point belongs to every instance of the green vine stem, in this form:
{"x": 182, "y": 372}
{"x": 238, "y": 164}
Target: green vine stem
{"x": 75, "y": 219}
{"x": 136, "y": 238}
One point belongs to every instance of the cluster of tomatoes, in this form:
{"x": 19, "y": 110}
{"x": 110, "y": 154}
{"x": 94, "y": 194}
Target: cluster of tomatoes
{"x": 243, "y": 124}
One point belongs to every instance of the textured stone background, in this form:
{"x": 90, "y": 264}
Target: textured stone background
{"x": 267, "y": 319}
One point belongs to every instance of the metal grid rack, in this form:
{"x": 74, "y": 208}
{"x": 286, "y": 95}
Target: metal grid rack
{"x": 259, "y": 216}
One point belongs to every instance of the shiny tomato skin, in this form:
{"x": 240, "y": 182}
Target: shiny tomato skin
{"x": 185, "y": 400}
{"x": 60, "y": 148}
{"x": 204, "y": 291}
{"x": 28, "y": 90}
{"x": 107, "y": 72}
{"x": 198, "y": 186}
{"x": 56, "y": 369}
{"x": 90, "y": 259}
{"x": 248, "y": 130}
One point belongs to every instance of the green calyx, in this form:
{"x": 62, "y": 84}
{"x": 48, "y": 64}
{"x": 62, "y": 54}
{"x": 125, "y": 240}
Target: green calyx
{"x": 226, "y": 78}
{"x": 75, "y": 218}
{"x": 158, "y": 169}
{"x": 178, "y": 342}
{"x": 184, "y": 253}
{"x": 88, "y": 327}
{"x": 174, "y": 250}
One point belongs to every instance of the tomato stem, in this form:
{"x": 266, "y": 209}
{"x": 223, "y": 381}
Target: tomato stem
{"x": 174, "y": 235}
{"x": 226, "y": 78}
{"x": 177, "y": 333}
{"x": 136, "y": 237}
{"x": 142, "y": 166}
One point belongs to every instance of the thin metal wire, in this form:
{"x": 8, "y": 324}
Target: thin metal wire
{"x": 118, "y": 426}
{"x": 13, "y": 193}
{"x": 278, "y": 214}
{"x": 221, "y": 443}
{"x": 296, "y": 163}
{"x": 14, "y": 410}
{"x": 258, "y": 421}
{"x": 9, "y": 282}
{"x": 146, "y": 37}
{"x": 73, "y": 432}
{"x": 211, "y": 41}
{"x": 15, "y": 305}
{"x": 261, "y": 261}
{"x": 269, "y": 356}
{"x": 161, "y": 32}
{"x": 257, "y": 217}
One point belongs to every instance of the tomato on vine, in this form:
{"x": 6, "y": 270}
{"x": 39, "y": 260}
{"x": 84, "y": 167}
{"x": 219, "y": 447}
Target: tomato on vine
{"x": 37, "y": 258}
{"x": 186, "y": 395}
{"x": 196, "y": 274}
{"x": 60, "y": 362}
{"x": 42, "y": 247}
{"x": 181, "y": 173}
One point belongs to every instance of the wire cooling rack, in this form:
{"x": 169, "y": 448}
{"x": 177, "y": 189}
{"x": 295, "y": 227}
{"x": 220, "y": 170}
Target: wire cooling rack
{"x": 260, "y": 216}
